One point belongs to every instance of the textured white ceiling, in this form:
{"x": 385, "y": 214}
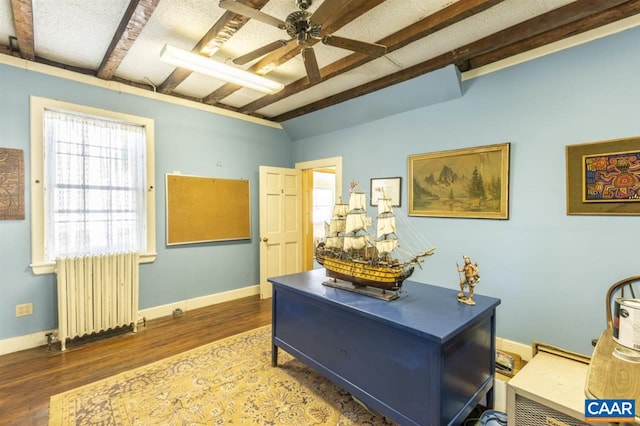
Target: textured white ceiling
{"x": 78, "y": 33}
{"x": 6, "y": 22}
{"x": 68, "y": 29}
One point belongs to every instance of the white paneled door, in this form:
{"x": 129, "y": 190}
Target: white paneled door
{"x": 280, "y": 224}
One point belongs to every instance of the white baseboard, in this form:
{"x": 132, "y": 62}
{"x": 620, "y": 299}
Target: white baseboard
{"x": 198, "y": 302}
{"x": 28, "y": 341}
{"x": 33, "y": 340}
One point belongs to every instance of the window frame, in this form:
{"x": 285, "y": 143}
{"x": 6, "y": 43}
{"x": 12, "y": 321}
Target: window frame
{"x": 39, "y": 264}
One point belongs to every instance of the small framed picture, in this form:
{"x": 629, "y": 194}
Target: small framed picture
{"x": 386, "y": 187}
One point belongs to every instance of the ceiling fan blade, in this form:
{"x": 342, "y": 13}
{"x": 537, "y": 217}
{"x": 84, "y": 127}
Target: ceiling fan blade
{"x": 311, "y": 65}
{"x": 372, "y": 49}
{"x": 261, "y": 51}
{"x": 241, "y": 9}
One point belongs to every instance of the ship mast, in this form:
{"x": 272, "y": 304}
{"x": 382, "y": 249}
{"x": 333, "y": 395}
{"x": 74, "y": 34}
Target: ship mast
{"x": 386, "y": 238}
{"x": 334, "y": 230}
{"x": 356, "y": 236}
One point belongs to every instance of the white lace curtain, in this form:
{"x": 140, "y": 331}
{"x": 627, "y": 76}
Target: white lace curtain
{"x": 94, "y": 185}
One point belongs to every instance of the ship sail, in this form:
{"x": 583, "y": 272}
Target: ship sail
{"x": 334, "y": 230}
{"x": 356, "y": 222}
{"x": 337, "y": 224}
{"x": 356, "y": 236}
{"x": 349, "y": 254}
{"x": 386, "y": 226}
{"x": 386, "y": 246}
{"x": 386, "y": 238}
{"x": 340, "y": 210}
{"x": 384, "y": 206}
{"x": 357, "y": 201}
{"x": 355, "y": 242}
{"x": 335, "y": 242}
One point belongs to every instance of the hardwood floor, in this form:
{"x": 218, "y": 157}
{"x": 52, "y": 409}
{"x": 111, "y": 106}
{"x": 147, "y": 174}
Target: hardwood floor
{"x": 29, "y": 378}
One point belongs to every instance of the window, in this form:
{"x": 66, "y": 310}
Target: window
{"x": 92, "y": 183}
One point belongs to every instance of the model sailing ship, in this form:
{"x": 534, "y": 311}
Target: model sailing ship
{"x": 348, "y": 254}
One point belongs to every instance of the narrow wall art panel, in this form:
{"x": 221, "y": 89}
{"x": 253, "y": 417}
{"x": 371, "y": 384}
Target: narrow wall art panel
{"x": 11, "y": 184}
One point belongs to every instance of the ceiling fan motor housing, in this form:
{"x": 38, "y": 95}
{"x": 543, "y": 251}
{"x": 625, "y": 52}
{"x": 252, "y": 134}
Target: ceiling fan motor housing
{"x": 300, "y": 27}
{"x": 304, "y": 31}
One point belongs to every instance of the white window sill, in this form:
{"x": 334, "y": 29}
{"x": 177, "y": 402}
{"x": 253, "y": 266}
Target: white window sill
{"x": 50, "y": 267}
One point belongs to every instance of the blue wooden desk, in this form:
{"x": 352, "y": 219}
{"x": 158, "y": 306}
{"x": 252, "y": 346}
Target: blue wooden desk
{"x": 422, "y": 359}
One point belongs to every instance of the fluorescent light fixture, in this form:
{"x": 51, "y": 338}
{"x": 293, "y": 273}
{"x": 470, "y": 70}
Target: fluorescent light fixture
{"x": 203, "y": 65}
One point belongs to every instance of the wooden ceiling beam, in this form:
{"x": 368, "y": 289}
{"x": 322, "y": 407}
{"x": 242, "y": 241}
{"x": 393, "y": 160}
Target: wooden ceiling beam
{"x": 133, "y": 21}
{"x": 448, "y": 16}
{"x": 335, "y": 14}
{"x": 56, "y": 64}
{"x": 23, "y": 23}
{"x": 597, "y": 20}
{"x": 571, "y": 13}
{"x": 226, "y": 27}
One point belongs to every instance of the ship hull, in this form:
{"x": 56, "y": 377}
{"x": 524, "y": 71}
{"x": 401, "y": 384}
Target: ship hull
{"x": 362, "y": 274}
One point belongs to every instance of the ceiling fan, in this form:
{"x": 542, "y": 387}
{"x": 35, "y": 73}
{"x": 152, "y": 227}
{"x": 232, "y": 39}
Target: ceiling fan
{"x": 300, "y": 26}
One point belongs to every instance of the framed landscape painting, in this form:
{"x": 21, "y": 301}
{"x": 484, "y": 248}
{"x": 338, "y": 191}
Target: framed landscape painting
{"x": 603, "y": 178}
{"x": 465, "y": 183}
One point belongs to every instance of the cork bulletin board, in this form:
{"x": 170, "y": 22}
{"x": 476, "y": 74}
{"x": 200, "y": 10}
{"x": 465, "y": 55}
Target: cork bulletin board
{"x": 204, "y": 209}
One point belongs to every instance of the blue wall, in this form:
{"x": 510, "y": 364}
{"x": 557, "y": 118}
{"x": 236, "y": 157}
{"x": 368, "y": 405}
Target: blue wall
{"x": 551, "y": 270}
{"x": 188, "y": 140}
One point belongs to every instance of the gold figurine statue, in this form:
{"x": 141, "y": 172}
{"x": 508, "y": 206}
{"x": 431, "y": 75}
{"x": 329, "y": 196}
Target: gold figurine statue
{"x": 470, "y": 279}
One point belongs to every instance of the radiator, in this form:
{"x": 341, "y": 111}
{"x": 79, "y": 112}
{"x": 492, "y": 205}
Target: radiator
{"x": 96, "y": 293}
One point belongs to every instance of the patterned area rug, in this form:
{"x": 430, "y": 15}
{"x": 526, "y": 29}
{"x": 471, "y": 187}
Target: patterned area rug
{"x": 227, "y": 381}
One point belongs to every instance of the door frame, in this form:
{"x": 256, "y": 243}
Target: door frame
{"x": 307, "y": 167}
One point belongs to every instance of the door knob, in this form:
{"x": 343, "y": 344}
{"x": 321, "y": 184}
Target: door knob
{"x": 265, "y": 240}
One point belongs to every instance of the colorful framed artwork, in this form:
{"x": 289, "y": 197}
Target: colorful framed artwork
{"x": 603, "y": 178}
{"x": 463, "y": 183}
{"x": 389, "y": 187}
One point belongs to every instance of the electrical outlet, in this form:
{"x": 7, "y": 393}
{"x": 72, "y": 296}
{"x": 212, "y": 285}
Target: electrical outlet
{"x": 24, "y": 309}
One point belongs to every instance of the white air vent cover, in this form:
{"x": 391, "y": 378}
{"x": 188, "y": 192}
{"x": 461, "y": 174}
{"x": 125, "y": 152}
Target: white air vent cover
{"x": 548, "y": 391}
{"x": 532, "y": 413}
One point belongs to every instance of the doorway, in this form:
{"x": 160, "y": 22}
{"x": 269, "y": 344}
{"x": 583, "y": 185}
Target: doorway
{"x": 321, "y": 186}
